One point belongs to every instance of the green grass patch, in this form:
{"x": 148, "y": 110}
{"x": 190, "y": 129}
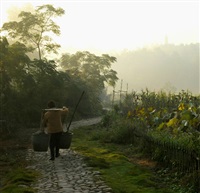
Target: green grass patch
{"x": 117, "y": 171}
{"x": 18, "y": 180}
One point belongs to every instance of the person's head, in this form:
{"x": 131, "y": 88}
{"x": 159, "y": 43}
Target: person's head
{"x": 51, "y": 104}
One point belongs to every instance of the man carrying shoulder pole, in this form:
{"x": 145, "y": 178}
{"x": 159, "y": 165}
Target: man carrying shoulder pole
{"x": 53, "y": 120}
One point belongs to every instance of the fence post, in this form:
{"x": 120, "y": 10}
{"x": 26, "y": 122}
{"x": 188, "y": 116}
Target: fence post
{"x": 197, "y": 179}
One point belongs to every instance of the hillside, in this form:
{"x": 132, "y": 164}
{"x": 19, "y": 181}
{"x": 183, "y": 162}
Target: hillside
{"x": 168, "y": 67}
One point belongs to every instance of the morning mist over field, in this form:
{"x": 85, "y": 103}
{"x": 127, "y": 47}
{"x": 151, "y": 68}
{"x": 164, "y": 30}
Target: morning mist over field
{"x": 166, "y": 67}
{"x": 156, "y": 43}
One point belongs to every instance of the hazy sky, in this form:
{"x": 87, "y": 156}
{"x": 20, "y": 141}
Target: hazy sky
{"x": 104, "y": 26}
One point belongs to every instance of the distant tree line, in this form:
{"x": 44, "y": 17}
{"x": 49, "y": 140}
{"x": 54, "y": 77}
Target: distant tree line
{"x": 27, "y": 84}
{"x": 165, "y": 67}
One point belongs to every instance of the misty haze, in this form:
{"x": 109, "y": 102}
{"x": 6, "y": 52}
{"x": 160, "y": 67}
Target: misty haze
{"x": 93, "y": 100}
{"x": 169, "y": 67}
{"x": 166, "y": 67}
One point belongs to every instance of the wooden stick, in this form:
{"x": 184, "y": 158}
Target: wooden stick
{"x": 75, "y": 110}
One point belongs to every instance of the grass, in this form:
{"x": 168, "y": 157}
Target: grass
{"x": 117, "y": 169}
{"x": 15, "y": 177}
{"x": 18, "y": 180}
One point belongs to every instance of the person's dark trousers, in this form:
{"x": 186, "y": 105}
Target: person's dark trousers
{"x": 54, "y": 144}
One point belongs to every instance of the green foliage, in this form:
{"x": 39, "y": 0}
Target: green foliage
{"x": 166, "y": 125}
{"x": 96, "y": 162}
{"x": 93, "y": 70}
{"x": 18, "y": 180}
{"x": 27, "y": 85}
{"x": 120, "y": 130}
{"x": 90, "y": 66}
{"x": 33, "y": 27}
{"x": 90, "y": 73}
{"x": 177, "y": 115}
{"x": 115, "y": 166}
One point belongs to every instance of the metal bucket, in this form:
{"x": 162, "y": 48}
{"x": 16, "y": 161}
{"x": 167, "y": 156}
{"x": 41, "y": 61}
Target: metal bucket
{"x": 40, "y": 141}
{"x": 65, "y": 140}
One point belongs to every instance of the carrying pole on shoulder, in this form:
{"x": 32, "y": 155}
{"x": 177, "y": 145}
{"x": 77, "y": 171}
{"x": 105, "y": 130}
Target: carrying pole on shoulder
{"x": 75, "y": 111}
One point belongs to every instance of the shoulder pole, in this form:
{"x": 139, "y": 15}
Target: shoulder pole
{"x": 75, "y": 110}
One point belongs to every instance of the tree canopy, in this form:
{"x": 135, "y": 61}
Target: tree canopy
{"x": 91, "y": 68}
{"x": 90, "y": 72}
{"x": 27, "y": 84}
{"x": 34, "y": 29}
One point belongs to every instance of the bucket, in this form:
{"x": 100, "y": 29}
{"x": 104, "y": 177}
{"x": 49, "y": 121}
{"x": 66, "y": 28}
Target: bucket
{"x": 65, "y": 140}
{"x": 40, "y": 141}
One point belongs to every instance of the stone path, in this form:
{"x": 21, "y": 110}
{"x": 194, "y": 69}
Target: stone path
{"x": 85, "y": 122}
{"x": 67, "y": 173}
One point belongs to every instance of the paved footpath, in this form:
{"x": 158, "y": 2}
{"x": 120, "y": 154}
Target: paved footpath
{"x": 66, "y": 174}
{"x": 85, "y": 122}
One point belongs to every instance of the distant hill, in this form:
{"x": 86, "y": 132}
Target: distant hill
{"x": 168, "y": 67}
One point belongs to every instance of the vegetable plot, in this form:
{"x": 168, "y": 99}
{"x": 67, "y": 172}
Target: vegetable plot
{"x": 170, "y": 129}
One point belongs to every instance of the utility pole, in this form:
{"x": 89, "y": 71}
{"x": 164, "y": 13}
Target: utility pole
{"x": 120, "y": 94}
{"x": 113, "y": 97}
{"x": 122, "y": 91}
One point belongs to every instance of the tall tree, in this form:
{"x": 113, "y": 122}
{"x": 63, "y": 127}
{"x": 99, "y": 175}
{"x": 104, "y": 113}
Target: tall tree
{"x": 26, "y": 86}
{"x": 33, "y": 29}
{"x": 90, "y": 73}
{"x": 91, "y": 68}
{"x": 13, "y": 71}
